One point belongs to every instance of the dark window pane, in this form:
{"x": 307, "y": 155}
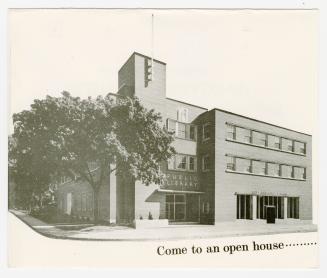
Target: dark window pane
{"x": 169, "y": 198}
{"x": 179, "y": 198}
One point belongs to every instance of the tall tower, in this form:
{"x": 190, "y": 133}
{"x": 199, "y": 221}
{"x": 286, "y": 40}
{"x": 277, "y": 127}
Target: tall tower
{"x": 136, "y": 77}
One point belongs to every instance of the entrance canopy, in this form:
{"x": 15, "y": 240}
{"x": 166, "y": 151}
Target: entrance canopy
{"x": 155, "y": 196}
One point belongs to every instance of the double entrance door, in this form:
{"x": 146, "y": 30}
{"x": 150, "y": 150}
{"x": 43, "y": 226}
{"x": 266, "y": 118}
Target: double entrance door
{"x": 176, "y": 207}
{"x": 183, "y": 207}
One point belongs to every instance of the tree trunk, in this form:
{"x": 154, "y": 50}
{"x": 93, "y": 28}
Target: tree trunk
{"x": 96, "y": 204}
{"x": 109, "y": 189}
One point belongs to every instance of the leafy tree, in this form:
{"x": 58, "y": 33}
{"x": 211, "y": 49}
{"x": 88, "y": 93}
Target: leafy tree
{"x": 29, "y": 172}
{"x": 63, "y": 136}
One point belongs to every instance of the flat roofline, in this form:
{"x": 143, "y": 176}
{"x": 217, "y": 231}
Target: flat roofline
{"x": 187, "y": 103}
{"x": 142, "y": 55}
{"x": 235, "y": 114}
{"x": 259, "y": 121}
{"x": 148, "y": 57}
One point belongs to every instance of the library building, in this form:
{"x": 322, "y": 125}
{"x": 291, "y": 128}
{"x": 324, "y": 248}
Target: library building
{"x": 228, "y": 167}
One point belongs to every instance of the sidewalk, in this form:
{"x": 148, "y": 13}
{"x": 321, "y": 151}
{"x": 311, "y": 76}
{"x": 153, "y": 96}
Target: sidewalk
{"x": 229, "y": 229}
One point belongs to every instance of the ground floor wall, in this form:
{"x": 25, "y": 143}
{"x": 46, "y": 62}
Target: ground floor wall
{"x": 127, "y": 201}
{"x": 75, "y": 202}
{"x": 230, "y": 185}
{"x": 154, "y": 203}
{"x": 148, "y": 204}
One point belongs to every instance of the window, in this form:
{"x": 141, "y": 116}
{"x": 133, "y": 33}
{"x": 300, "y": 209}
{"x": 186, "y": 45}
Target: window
{"x": 69, "y": 203}
{"x": 176, "y": 207}
{"x": 304, "y": 176}
{"x": 206, "y": 163}
{"x": 286, "y": 171}
{"x": 299, "y": 147}
{"x": 277, "y": 143}
{"x": 279, "y": 173}
{"x": 182, "y": 130}
{"x": 192, "y": 163}
{"x": 272, "y": 169}
{"x": 192, "y": 132}
{"x": 83, "y": 201}
{"x": 205, "y": 207}
{"x": 182, "y": 162}
{"x": 230, "y": 163}
{"x": 231, "y": 132}
{"x": 171, "y": 163}
{"x": 171, "y": 126}
{"x": 293, "y": 207}
{"x": 78, "y": 202}
{"x": 287, "y": 145}
{"x": 298, "y": 172}
{"x": 259, "y": 138}
{"x": 290, "y": 148}
{"x": 264, "y": 140}
{"x": 89, "y": 202}
{"x": 273, "y": 142}
{"x": 60, "y": 202}
{"x": 247, "y": 136}
{"x": 182, "y": 115}
{"x": 206, "y": 131}
{"x": 244, "y": 207}
{"x": 259, "y": 167}
{"x": 243, "y": 165}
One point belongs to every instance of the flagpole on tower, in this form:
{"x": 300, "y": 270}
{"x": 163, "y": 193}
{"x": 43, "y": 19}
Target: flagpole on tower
{"x": 152, "y": 44}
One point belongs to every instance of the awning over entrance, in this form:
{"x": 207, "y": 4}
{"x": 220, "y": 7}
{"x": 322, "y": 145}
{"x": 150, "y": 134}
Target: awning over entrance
{"x": 155, "y": 196}
{"x": 258, "y": 193}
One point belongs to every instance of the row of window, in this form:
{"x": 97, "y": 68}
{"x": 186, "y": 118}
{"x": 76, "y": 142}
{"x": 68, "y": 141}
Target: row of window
{"x": 241, "y": 165}
{"x": 182, "y": 162}
{"x": 246, "y": 165}
{"x": 244, "y": 207}
{"x": 249, "y": 136}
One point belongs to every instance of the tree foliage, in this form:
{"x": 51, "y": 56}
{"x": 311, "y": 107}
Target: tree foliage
{"x": 62, "y": 136}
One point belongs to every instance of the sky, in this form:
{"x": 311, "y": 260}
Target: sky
{"x": 261, "y": 64}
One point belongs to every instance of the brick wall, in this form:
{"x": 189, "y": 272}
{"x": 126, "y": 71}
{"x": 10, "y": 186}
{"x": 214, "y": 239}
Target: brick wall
{"x": 82, "y": 206}
{"x": 228, "y": 184}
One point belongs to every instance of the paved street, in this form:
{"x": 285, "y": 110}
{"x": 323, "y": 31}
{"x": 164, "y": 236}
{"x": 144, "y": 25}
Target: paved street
{"x": 92, "y": 232}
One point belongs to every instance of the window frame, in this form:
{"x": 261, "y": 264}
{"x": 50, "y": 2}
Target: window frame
{"x": 187, "y": 163}
{"x": 203, "y": 163}
{"x": 233, "y": 132}
{"x": 203, "y": 132}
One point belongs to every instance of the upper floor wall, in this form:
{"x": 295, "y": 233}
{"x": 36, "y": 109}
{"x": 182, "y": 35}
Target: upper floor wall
{"x": 254, "y": 147}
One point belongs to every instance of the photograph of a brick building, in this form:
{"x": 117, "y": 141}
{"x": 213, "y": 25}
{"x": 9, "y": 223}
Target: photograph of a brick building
{"x": 227, "y": 168}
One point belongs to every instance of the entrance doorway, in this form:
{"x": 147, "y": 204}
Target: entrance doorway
{"x": 271, "y": 214}
{"x": 274, "y": 201}
{"x": 176, "y": 207}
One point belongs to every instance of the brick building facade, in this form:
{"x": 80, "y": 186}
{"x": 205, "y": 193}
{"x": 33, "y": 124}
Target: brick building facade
{"x": 228, "y": 167}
